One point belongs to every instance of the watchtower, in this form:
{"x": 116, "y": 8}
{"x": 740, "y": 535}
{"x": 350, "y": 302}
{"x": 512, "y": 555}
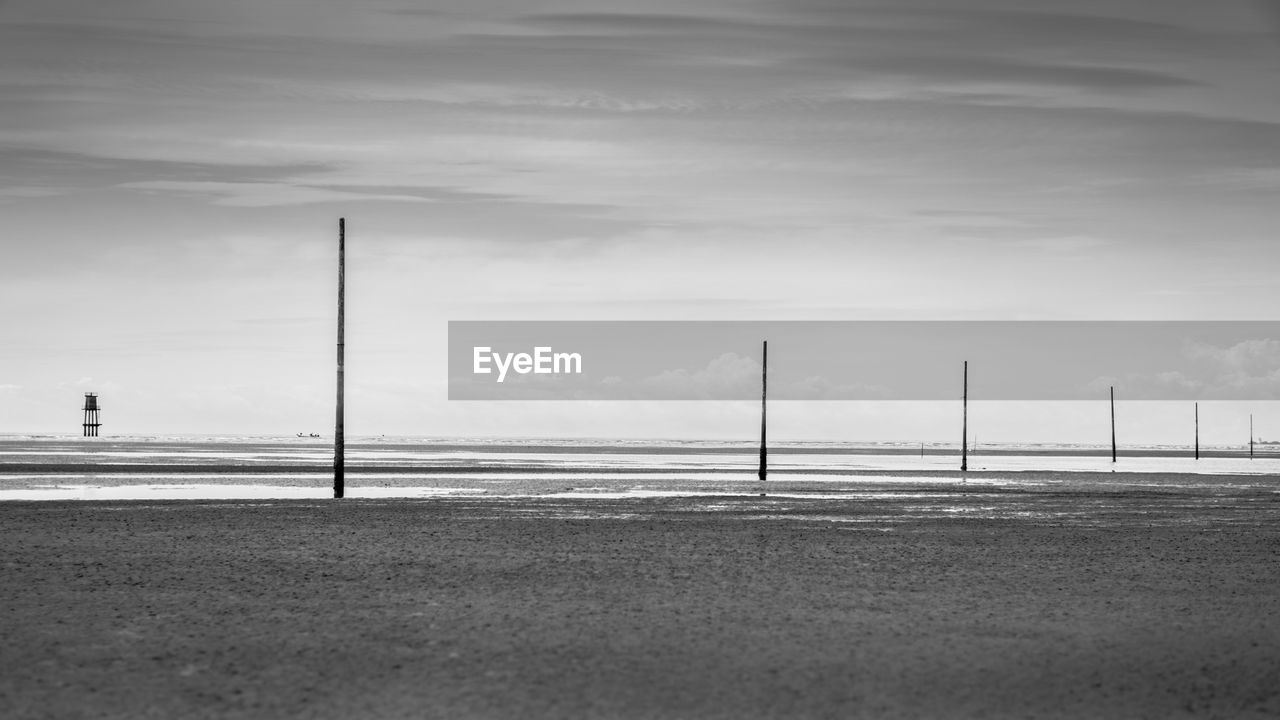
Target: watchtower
{"x": 91, "y": 423}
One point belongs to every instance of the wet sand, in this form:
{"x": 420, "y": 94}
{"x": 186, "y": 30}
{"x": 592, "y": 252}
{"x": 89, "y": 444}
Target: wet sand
{"x": 1052, "y": 605}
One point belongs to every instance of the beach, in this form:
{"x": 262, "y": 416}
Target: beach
{"x": 715, "y": 360}
{"x": 1056, "y": 602}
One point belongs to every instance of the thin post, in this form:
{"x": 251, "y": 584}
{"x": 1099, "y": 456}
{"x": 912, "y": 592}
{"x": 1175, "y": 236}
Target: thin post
{"x": 1250, "y": 436}
{"x": 964, "y": 428}
{"x": 1113, "y": 423}
{"x": 1197, "y": 431}
{"x": 338, "y": 430}
{"x": 764, "y": 408}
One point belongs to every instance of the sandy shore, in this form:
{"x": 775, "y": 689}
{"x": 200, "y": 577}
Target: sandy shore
{"x": 638, "y": 608}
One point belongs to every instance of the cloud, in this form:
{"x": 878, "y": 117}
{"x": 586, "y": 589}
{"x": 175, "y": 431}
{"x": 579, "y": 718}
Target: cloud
{"x": 1168, "y": 385}
{"x": 1245, "y": 361}
{"x": 88, "y": 384}
{"x": 634, "y": 23}
{"x": 28, "y": 192}
{"x": 1270, "y": 9}
{"x": 261, "y": 194}
{"x": 282, "y": 321}
{"x": 1247, "y": 370}
{"x": 734, "y": 377}
{"x": 1064, "y": 244}
{"x": 978, "y": 71}
{"x": 821, "y": 388}
{"x": 53, "y": 171}
{"x": 935, "y": 46}
{"x": 526, "y": 105}
{"x": 727, "y": 377}
{"x": 802, "y": 24}
{"x": 1035, "y": 28}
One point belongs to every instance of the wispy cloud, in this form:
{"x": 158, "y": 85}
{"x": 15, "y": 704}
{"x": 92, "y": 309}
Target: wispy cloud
{"x": 1247, "y": 370}
{"x": 973, "y": 71}
{"x": 65, "y": 170}
{"x": 246, "y": 194}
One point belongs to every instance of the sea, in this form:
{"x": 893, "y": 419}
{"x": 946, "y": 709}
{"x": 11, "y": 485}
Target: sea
{"x": 223, "y": 467}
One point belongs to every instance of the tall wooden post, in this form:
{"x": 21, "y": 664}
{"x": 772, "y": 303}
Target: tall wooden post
{"x": 964, "y": 428}
{"x": 339, "y": 484}
{"x": 764, "y": 408}
{"x": 1250, "y": 436}
{"x": 1197, "y": 431}
{"x": 1113, "y": 423}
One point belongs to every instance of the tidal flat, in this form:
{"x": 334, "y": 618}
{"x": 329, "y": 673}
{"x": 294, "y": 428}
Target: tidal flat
{"x": 991, "y": 602}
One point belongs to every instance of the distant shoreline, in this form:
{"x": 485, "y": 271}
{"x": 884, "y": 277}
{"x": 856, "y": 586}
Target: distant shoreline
{"x": 521, "y": 469}
{"x": 669, "y": 447}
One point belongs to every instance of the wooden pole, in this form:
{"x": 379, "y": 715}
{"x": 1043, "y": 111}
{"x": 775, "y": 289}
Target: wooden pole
{"x": 339, "y": 484}
{"x": 964, "y": 428}
{"x": 1113, "y": 423}
{"x": 1197, "y": 431}
{"x": 1250, "y": 436}
{"x": 764, "y": 407}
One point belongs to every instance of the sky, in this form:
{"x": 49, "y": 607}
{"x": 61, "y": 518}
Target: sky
{"x": 171, "y": 175}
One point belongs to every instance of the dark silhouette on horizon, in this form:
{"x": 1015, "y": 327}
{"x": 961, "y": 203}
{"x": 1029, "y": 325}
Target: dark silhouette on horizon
{"x": 91, "y": 423}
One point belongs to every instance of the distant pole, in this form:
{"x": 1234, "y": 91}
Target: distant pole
{"x": 338, "y": 430}
{"x": 1197, "y": 431}
{"x": 964, "y": 427}
{"x": 764, "y": 408}
{"x": 1113, "y": 423}
{"x": 1250, "y": 436}
{"x": 921, "y": 449}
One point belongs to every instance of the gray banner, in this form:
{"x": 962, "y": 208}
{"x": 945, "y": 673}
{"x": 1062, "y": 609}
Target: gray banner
{"x": 864, "y": 360}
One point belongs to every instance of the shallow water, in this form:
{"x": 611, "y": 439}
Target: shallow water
{"x": 1003, "y": 481}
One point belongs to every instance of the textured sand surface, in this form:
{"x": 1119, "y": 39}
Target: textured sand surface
{"x": 640, "y": 608}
